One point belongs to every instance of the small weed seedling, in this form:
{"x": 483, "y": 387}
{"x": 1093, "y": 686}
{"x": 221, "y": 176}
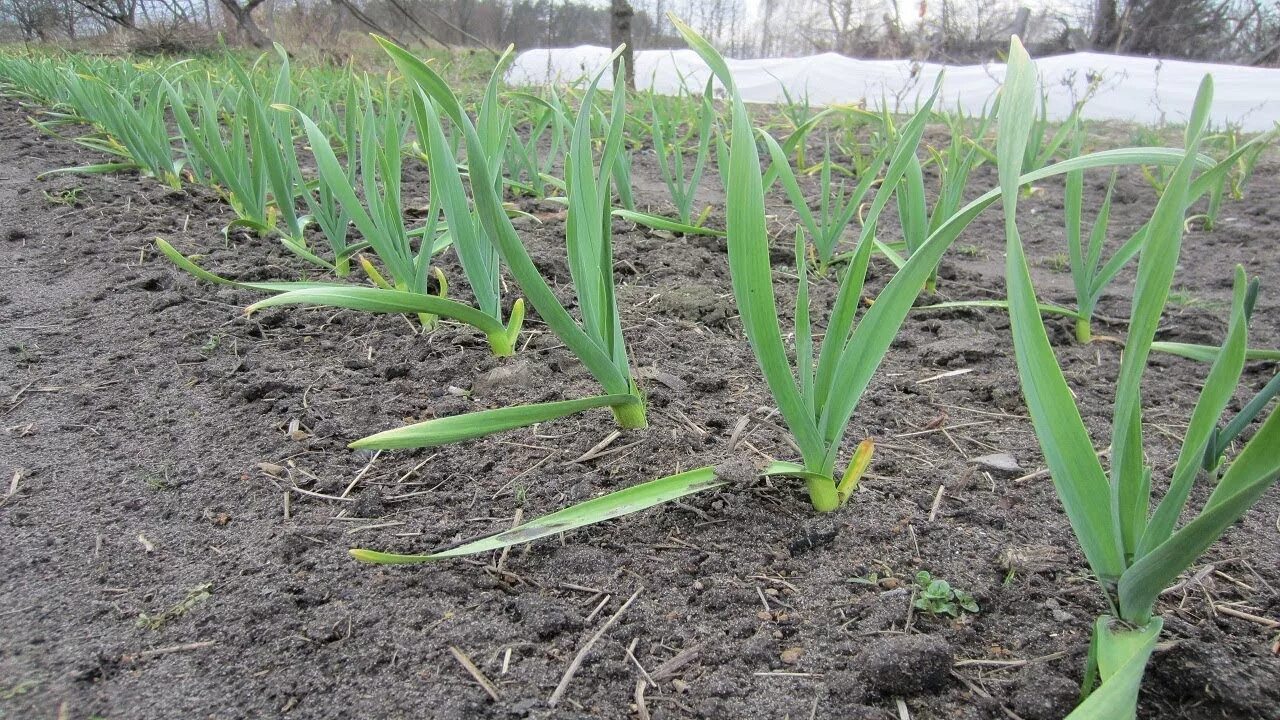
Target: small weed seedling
{"x": 937, "y": 597}
{"x": 195, "y": 596}
{"x": 68, "y": 198}
{"x": 211, "y": 344}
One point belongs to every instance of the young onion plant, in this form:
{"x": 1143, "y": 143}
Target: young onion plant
{"x": 792, "y": 143}
{"x": 1090, "y": 275}
{"x": 404, "y": 287}
{"x": 836, "y": 206}
{"x": 1092, "y": 270}
{"x": 37, "y": 79}
{"x": 324, "y": 208}
{"x": 799, "y": 112}
{"x": 253, "y": 160}
{"x": 1133, "y": 550}
{"x": 955, "y": 166}
{"x": 555, "y": 116}
{"x": 597, "y": 338}
{"x": 859, "y": 135}
{"x": 1042, "y": 145}
{"x": 132, "y": 118}
{"x": 1085, "y": 257}
{"x": 670, "y": 146}
{"x": 749, "y": 262}
{"x": 216, "y": 142}
{"x": 548, "y": 126}
{"x": 1234, "y": 182}
{"x": 818, "y": 395}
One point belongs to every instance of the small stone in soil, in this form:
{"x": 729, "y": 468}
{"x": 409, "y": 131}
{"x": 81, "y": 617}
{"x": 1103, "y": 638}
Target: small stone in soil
{"x": 695, "y": 302}
{"x": 501, "y": 377}
{"x": 956, "y": 352}
{"x": 792, "y": 655}
{"x": 1061, "y": 616}
{"x": 368, "y": 504}
{"x": 906, "y": 664}
{"x": 737, "y": 471}
{"x": 666, "y": 378}
{"x": 998, "y": 462}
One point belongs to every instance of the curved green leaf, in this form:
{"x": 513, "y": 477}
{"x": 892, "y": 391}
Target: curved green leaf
{"x": 1130, "y": 485}
{"x": 658, "y": 222}
{"x": 1206, "y": 353}
{"x": 1077, "y": 475}
{"x": 1219, "y": 387}
{"x": 751, "y": 271}
{"x": 185, "y": 263}
{"x": 96, "y": 169}
{"x": 607, "y": 507}
{"x": 380, "y": 300}
{"x": 467, "y": 426}
{"x": 1046, "y": 308}
{"x": 1252, "y": 472}
{"x": 493, "y": 216}
{"x": 1122, "y": 659}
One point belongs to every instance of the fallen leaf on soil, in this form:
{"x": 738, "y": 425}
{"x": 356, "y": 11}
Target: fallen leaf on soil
{"x": 666, "y": 378}
{"x": 1033, "y": 558}
{"x": 271, "y": 469}
{"x": 1000, "y": 462}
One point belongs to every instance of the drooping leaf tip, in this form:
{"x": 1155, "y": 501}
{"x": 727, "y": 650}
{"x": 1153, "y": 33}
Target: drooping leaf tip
{"x": 374, "y": 557}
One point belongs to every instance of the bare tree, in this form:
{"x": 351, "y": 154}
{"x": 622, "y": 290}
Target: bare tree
{"x": 413, "y": 20}
{"x": 120, "y": 13}
{"x": 172, "y": 12}
{"x": 840, "y": 12}
{"x": 70, "y": 16}
{"x": 35, "y": 19}
{"x": 364, "y": 19}
{"x": 1106, "y": 24}
{"x": 1196, "y": 29}
{"x": 460, "y": 28}
{"x": 242, "y": 12}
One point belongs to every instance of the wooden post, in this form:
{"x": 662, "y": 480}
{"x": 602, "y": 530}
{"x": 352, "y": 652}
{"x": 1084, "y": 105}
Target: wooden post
{"x": 620, "y": 34}
{"x": 1020, "y": 21}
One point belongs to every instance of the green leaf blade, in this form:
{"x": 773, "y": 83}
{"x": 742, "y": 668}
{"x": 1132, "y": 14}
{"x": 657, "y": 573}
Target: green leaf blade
{"x": 596, "y": 510}
{"x": 1076, "y": 472}
{"x": 468, "y": 426}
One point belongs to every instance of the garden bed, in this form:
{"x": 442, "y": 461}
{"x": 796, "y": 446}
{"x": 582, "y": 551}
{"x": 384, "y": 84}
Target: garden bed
{"x": 168, "y": 551}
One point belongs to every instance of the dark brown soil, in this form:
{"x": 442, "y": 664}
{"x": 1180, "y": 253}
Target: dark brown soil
{"x": 157, "y": 564}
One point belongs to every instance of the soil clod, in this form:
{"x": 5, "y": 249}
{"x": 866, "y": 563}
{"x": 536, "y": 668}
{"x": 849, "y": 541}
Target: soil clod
{"x": 906, "y": 664}
{"x": 816, "y": 534}
{"x": 1044, "y": 695}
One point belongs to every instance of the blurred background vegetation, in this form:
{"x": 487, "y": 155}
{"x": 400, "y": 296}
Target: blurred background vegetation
{"x": 1234, "y": 31}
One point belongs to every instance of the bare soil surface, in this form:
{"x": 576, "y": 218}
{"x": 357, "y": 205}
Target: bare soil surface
{"x": 166, "y": 553}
